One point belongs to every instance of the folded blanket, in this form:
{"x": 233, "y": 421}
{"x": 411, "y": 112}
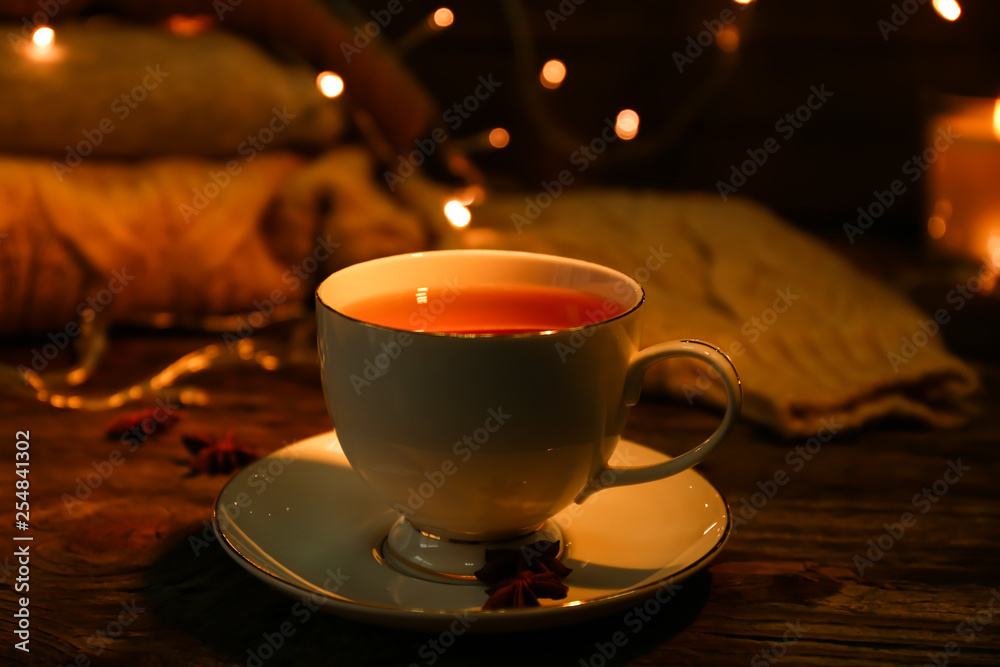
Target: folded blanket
{"x": 183, "y": 235}
{"x": 814, "y": 340}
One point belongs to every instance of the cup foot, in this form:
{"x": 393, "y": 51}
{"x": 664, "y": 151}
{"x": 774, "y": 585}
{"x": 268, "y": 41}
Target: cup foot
{"x": 423, "y": 556}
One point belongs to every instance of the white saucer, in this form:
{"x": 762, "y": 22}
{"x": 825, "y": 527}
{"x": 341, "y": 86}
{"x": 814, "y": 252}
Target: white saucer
{"x": 301, "y": 514}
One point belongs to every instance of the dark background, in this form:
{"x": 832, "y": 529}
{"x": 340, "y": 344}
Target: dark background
{"x": 619, "y": 55}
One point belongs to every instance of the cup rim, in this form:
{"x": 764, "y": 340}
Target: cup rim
{"x": 489, "y": 252}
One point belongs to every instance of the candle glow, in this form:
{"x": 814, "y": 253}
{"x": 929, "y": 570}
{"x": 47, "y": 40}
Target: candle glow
{"x": 965, "y": 217}
{"x": 948, "y": 9}
{"x": 996, "y": 119}
{"x": 553, "y": 73}
{"x": 499, "y": 137}
{"x": 457, "y": 214}
{"x": 627, "y": 124}
{"x": 442, "y": 18}
{"x": 330, "y": 84}
{"x": 42, "y": 47}
{"x": 43, "y": 37}
{"x": 728, "y": 39}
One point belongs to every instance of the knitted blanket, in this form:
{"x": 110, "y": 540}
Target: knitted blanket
{"x": 817, "y": 344}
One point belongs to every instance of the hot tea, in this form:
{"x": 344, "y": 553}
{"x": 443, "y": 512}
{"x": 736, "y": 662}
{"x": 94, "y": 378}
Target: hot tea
{"x": 510, "y": 309}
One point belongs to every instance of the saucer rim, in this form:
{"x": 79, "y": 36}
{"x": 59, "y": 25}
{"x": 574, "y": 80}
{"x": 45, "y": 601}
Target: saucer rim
{"x": 433, "y": 618}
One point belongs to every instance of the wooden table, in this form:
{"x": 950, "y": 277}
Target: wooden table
{"x": 128, "y": 572}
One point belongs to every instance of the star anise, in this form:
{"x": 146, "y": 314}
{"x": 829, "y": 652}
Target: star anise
{"x": 519, "y": 577}
{"x": 524, "y": 590}
{"x": 212, "y": 456}
{"x": 138, "y": 426}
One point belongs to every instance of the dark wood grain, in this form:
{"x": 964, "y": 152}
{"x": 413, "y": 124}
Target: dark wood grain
{"x": 140, "y": 539}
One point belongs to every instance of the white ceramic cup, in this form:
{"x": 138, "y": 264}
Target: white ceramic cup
{"x": 479, "y": 437}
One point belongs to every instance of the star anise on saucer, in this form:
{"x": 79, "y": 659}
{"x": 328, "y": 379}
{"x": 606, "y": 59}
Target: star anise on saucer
{"x": 140, "y": 425}
{"x": 212, "y": 456}
{"x": 519, "y": 577}
{"x": 524, "y": 590}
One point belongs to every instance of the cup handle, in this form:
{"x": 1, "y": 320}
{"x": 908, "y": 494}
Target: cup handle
{"x": 637, "y": 368}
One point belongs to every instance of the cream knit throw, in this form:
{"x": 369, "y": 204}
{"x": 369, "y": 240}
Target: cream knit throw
{"x": 810, "y": 336}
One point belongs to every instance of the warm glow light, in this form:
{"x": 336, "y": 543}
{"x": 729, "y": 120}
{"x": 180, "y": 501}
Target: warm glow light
{"x": 936, "y": 226}
{"x": 942, "y": 207}
{"x": 330, "y": 84}
{"x": 77, "y": 376}
{"x": 742, "y": 2}
{"x": 627, "y": 124}
{"x": 499, "y": 137}
{"x": 553, "y": 73}
{"x": 457, "y": 215}
{"x": 43, "y": 37}
{"x": 948, "y": 9}
{"x": 728, "y": 39}
{"x": 996, "y": 119}
{"x": 442, "y": 18}
{"x": 474, "y": 194}
{"x": 181, "y": 24}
